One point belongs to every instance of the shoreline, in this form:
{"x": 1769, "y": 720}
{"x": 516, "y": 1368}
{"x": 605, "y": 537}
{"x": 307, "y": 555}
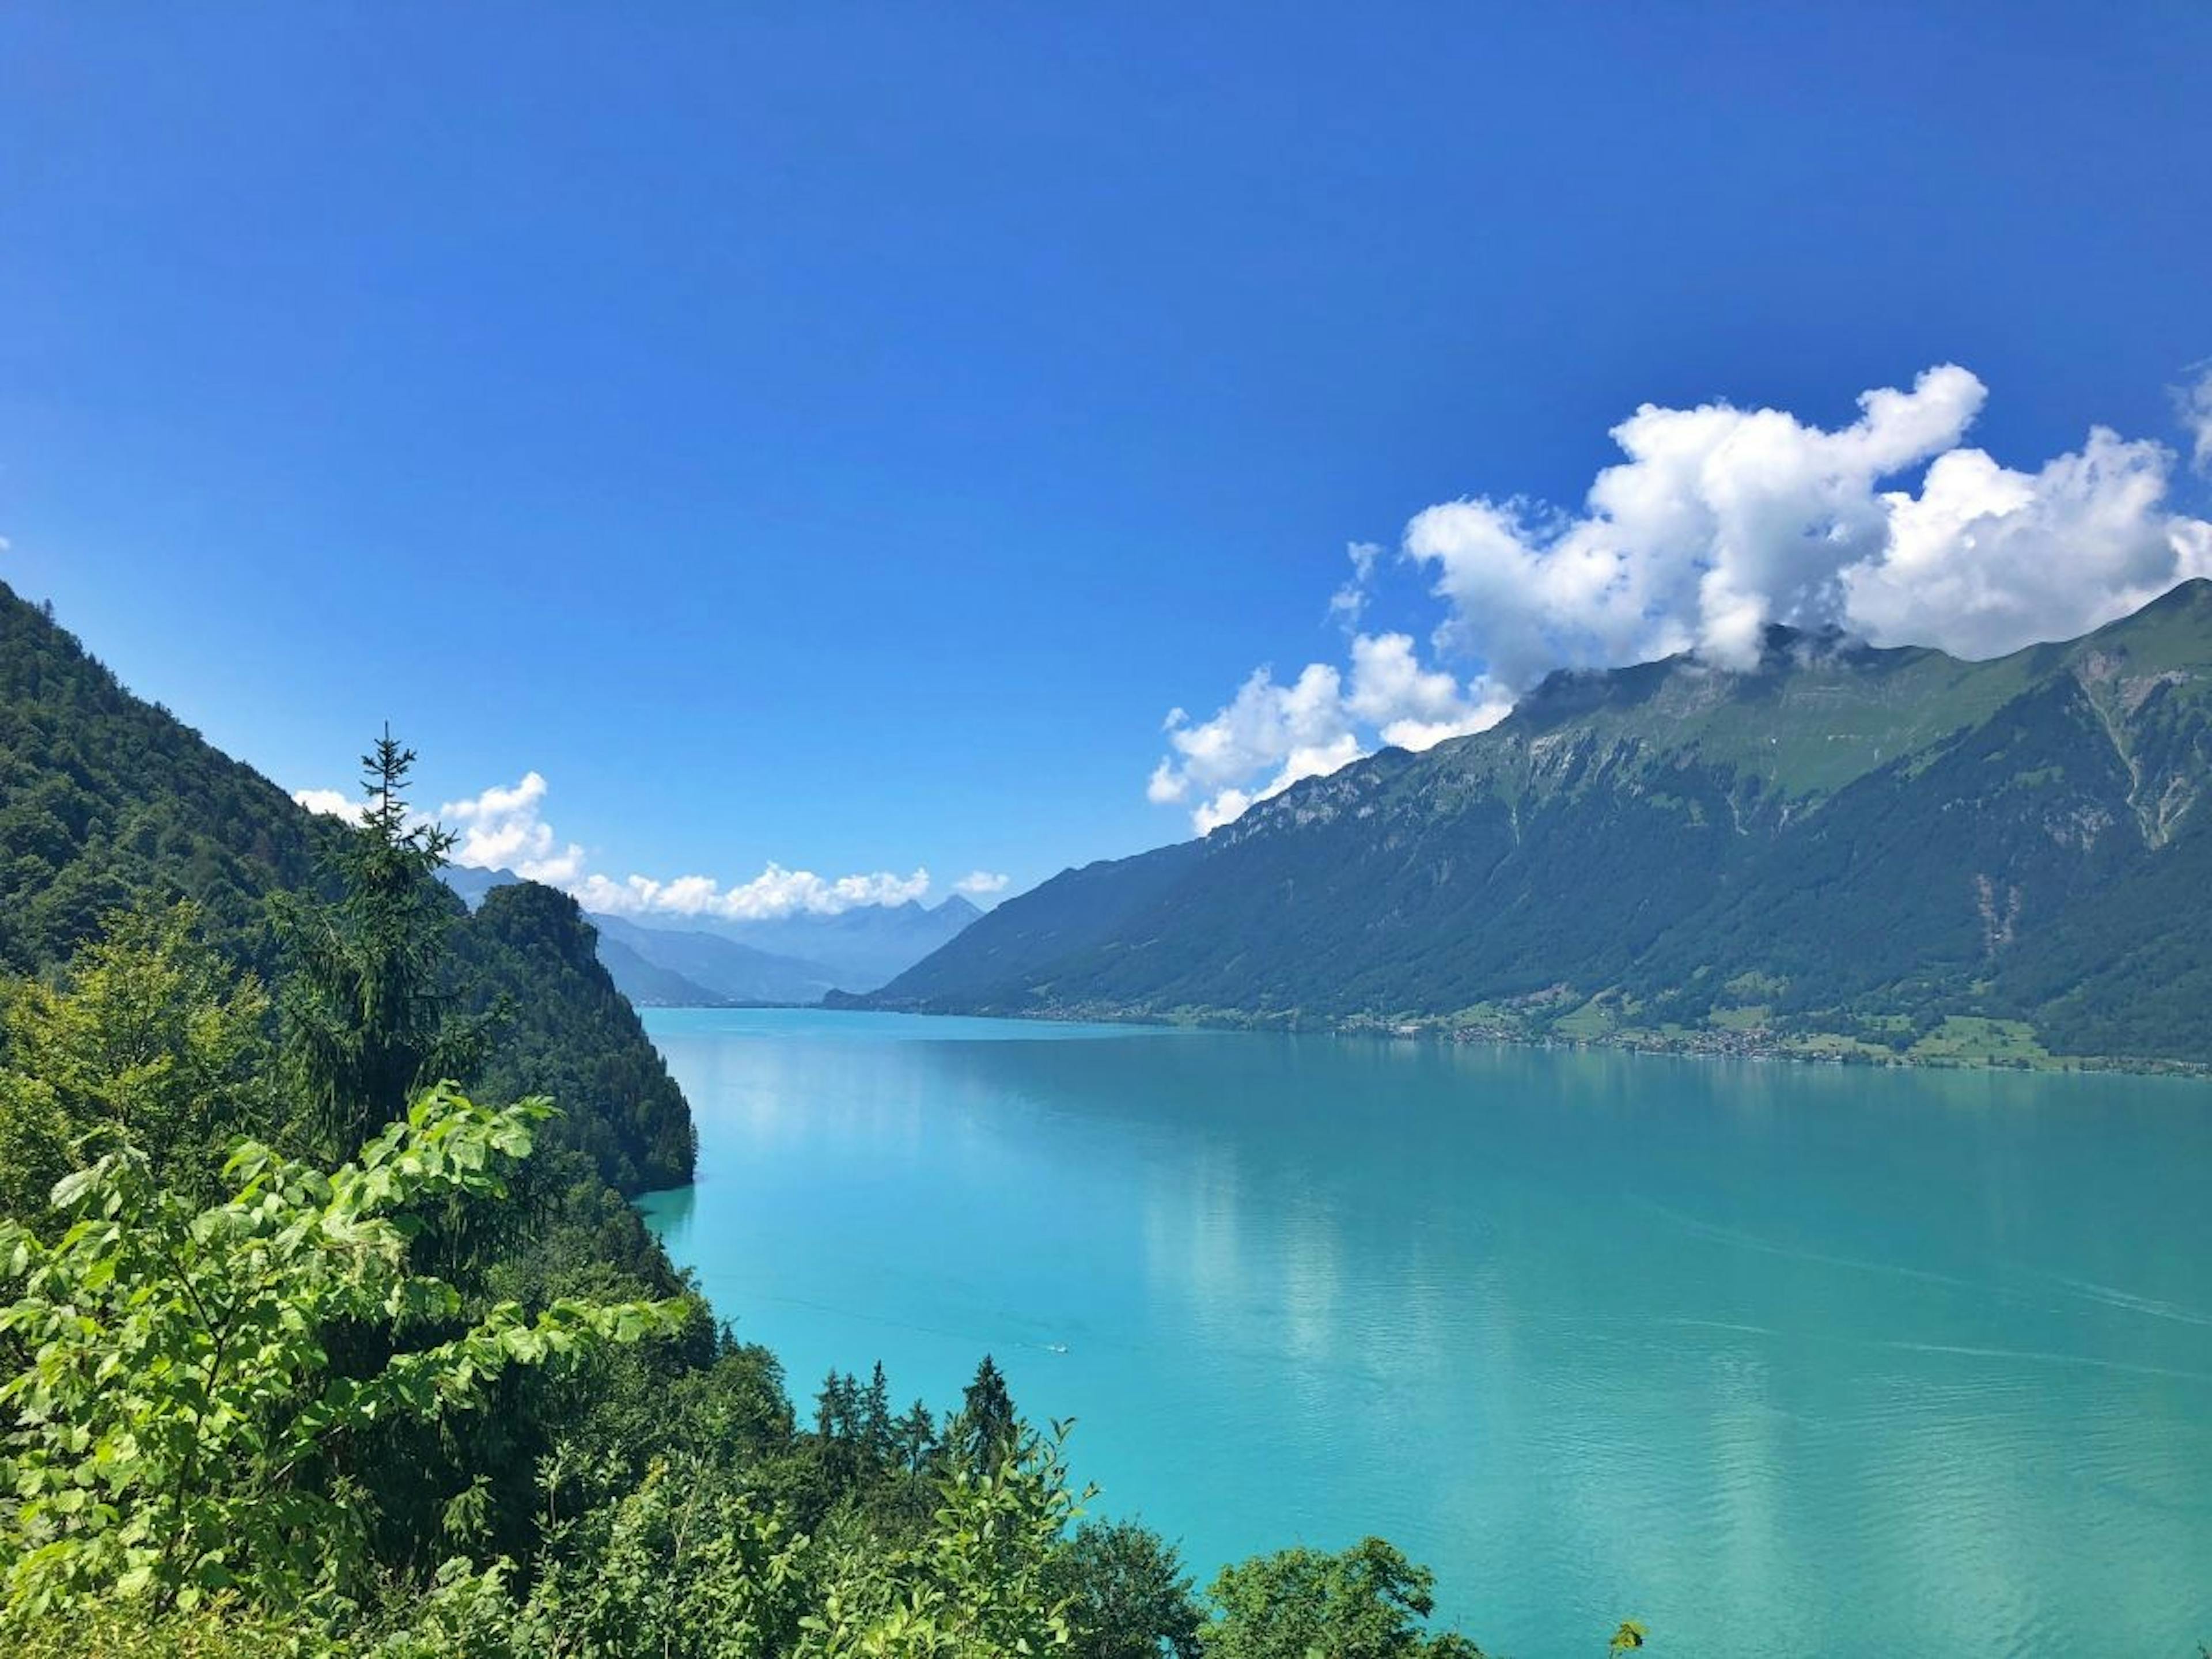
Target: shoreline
{"x": 1812, "y": 1047}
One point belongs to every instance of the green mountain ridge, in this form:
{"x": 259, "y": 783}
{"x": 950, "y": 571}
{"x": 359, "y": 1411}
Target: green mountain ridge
{"x": 106, "y": 799}
{"x": 1845, "y": 851}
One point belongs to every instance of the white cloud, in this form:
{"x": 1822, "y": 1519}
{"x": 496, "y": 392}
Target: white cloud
{"x": 502, "y": 828}
{"x": 1415, "y": 708}
{"x": 2194, "y": 399}
{"x": 1719, "y": 522}
{"x": 980, "y": 884}
{"x": 1985, "y": 560}
{"x": 1349, "y": 602}
{"x": 331, "y": 803}
{"x": 1271, "y": 736}
{"x": 775, "y": 892}
{"x": 1226, "y": 807}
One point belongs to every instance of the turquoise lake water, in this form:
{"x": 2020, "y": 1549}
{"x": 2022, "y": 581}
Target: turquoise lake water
{"x": 1780, "y": 1359}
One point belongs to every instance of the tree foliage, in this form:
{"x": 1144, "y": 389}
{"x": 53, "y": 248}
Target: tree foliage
{"x": 1128, "y": 1596}
{"x": 180, "y": 1429}
{"x": 557, "y": 1026}
{"x": 367, "y": 1006}
{"x": 147, "y": 1038}
{"x": 1365, "y": 1603}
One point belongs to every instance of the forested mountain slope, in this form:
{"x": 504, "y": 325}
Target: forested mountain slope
{"x": 1847, "y": 848}
{"x": 106, "y": 799}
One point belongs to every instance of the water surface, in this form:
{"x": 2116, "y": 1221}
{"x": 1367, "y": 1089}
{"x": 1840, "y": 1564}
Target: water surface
{"x": 1781, "y": 1359}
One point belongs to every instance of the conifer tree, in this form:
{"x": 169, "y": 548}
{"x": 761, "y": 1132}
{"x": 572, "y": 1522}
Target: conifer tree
{"x": 875, "y": 1413}
{"x": 366, "y": 1017}
{"x": 985, "y": 1430}
{"x": 915, "y": 1438}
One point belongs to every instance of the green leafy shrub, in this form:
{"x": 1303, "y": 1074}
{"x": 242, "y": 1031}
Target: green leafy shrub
{"x": 177, "y": 1430}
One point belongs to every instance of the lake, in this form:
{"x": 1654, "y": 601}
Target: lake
{"x": 1778, "y": 1358}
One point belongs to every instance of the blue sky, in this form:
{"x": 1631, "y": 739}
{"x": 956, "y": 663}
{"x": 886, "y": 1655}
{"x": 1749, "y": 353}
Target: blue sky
{"x": 837, "y": 436}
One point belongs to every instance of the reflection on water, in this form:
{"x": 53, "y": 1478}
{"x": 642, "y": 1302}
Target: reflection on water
{"x": 1779, "y": 1358}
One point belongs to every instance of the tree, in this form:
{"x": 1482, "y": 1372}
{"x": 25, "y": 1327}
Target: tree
{"x": 984, "y": 1431}
{"x": 178, "y": 1430}
{"x": 1366, "y": 1603}
{"x": 914, "y": 1438}
{"x": 978, "y": 1584}
{"x": 1128, "y": 1596}
{"x": 875, "y": 1419}
{"x": 147, "y": 1038}
{"x": 365, "y": 1015}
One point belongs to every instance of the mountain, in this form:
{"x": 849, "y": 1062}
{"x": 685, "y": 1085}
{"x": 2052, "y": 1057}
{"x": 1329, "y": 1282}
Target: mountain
{"x": 473, "y": 884}
{"x": 862, "y": 947}
{"x": 790, "y": 959}
{"x": 661, "y": 963}
{"x": 636, "y": 972}
{"x": 105, "y": 799}
{"x": 1847, "y": 851}
{"x": 649, "y": 985}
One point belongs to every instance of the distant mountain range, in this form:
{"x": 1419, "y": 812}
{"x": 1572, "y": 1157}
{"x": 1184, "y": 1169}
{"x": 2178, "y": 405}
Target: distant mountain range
{"x": 862, "y": 947}
{"x": 1848, "y": 852}
{"x": 795, "y": 959}
{"x": 683, "y": 967}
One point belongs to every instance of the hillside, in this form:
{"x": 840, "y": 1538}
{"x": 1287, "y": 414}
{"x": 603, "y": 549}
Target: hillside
{"x": 1849, "y": 849}
{"x": 649, "y": 985}
{"x": 717, "y": 969}
{"x": 105, "y": 799}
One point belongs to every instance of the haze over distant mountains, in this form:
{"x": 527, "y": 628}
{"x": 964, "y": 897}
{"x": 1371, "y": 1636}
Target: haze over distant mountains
{"x": 1843, "y": 850}
{"x": 710, "y": 962}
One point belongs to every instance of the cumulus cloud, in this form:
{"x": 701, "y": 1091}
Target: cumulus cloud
{"x": 505, "y": 828}
{"x": 980, "y": 884}
{"x": 1271, "y": 735}
{"x": 1412, "y": 706}
{"x": 1719, "y": 522}
{"x": 774, "y": 893}
{"x": 331, "y": 803}
{"x": 1984, "y": 560}
{"x": 1349, "y": 602}
{"x": 1724, "y": 520}
{"x": 2196, "y": 405}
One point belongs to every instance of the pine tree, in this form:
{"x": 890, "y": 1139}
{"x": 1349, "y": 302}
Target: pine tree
{"x": 986, "y": 1430}
{"x": 915, "y": 1438}
{"x": 366, "y": 1020}
{"x": 830, "y": 1408}
{"x": 875, "y": 1415}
